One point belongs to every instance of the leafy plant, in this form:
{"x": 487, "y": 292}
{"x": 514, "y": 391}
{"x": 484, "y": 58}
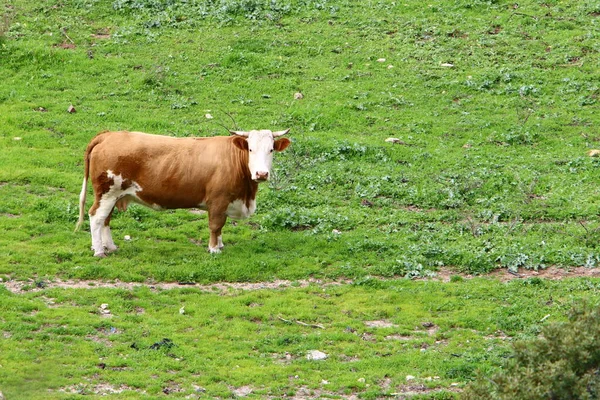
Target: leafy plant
{"x": 563, "y": 363}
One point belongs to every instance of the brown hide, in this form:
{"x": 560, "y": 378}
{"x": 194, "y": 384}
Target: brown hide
{"x": 172, "y": 172}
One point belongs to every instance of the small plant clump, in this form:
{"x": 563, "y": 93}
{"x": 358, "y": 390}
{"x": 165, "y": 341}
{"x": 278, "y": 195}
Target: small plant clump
{"x": 563, "y": 363}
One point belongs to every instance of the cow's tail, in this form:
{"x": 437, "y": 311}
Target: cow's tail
{"x": 86, "y": 172}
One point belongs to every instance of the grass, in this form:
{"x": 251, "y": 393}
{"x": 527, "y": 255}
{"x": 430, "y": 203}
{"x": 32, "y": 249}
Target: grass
{"x": 493, "y": 171}
{"x": 495, "y": 108}
{"x": 375, "y": 335}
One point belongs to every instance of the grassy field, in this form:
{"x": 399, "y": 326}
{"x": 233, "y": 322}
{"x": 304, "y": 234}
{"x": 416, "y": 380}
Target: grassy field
{"x": 381, "y": 338}
{"x": 494, "y": 105}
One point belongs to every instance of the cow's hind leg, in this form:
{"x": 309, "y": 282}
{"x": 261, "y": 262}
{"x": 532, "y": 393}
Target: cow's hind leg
{"x": 107, "y": 241}
{"x": 99, "y": 214}
{"x": 216, "y": 220}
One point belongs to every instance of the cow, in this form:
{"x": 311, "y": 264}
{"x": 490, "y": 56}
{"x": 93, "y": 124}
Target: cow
{"x": 218, "y": 174}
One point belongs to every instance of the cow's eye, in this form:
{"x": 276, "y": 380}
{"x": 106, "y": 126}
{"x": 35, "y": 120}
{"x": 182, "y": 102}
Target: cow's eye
{"x": 271, "y": 150}
{"x": 250, "y": 150}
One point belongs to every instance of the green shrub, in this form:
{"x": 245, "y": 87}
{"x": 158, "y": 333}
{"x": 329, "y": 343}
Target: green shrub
{"x": 562, "y": 363}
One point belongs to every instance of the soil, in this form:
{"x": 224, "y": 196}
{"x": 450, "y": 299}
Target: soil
{"x": 443, "y": 275}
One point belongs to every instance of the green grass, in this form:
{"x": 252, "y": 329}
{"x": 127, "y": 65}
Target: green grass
{"x": 440, "y": 333}
{"x": 495, "y": 105}
{"x": 493, "y": 171}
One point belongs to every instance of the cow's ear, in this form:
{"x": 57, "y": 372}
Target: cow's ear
{"x": 240, "y": 143}
{"x": 281, "y": 144}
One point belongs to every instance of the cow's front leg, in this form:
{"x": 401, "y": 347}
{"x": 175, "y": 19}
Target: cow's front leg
{"x": 216, "y": 220}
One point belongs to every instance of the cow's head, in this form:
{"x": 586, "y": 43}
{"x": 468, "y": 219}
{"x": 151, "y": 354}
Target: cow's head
{"x": 260, "y": 146}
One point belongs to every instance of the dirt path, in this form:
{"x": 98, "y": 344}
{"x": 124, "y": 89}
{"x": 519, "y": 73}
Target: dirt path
{"x": 443, "y": 275}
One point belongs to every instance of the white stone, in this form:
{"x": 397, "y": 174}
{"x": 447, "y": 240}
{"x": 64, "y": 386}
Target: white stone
{"x": 316, "y": 355}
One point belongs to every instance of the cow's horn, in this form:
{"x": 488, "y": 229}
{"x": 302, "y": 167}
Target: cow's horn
{"x": 280, "y": 133}
{"x": 239, "y": 133}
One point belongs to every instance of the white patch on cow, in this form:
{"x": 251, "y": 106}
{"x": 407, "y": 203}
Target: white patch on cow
{"x": 101, "y": 236}
{"x": 238, "y": 209}
{"x": 260, "y": 156}
{"x": 116, "y": 188}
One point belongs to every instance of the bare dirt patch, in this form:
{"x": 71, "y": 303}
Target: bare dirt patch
{"x": 431, "y": 328}
{"x": 504, "y": 275}
{"x": 399, "y": 337}
{"x": 408, "y": 391}
{"x": 242, "y": 391}
{"x": 102, "y": 389}
{"x": 9, "y": 215}
{"x": 101, "y": 36}
{"x": 220, "y": 288}
{"x": 443, "y": 275}
{"x": 66, "y": 45}
{"x": 380, "y": 324}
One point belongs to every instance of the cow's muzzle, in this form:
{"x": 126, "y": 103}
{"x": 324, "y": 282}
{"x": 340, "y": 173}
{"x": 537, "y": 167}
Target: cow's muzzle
{"x": 261, "y": 176}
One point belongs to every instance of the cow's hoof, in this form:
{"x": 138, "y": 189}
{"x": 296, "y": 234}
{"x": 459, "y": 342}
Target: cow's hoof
{"x": 100, "y": 255}
{"x": 110, "y": 249}
{"x": 214, "y": 250}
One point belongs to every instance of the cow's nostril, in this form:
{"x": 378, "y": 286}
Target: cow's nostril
{"x": 262, "y": 175}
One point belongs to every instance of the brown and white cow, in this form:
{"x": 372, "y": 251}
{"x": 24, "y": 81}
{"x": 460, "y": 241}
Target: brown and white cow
{"x": 218, "y": 174}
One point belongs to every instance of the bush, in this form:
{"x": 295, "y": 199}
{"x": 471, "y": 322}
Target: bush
{"x": 563, "y": 363}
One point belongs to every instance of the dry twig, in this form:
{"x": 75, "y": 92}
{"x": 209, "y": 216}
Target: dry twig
{"x": 301, "y": 323}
